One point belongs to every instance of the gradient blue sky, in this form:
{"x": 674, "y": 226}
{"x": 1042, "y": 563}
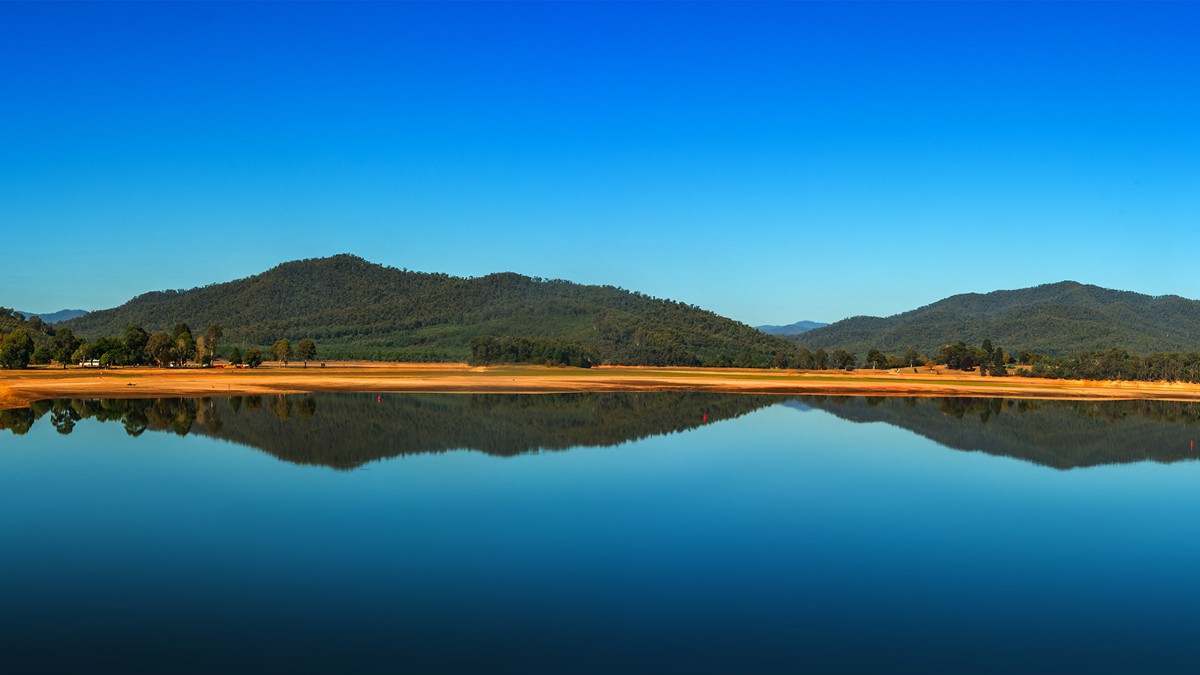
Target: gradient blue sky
{"x": 772, "y": 162}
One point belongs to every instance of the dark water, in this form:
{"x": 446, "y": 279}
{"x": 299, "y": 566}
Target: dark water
{"x": 675, "y": 532}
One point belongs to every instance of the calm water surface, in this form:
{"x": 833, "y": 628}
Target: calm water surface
{"x": 599, "y": 533}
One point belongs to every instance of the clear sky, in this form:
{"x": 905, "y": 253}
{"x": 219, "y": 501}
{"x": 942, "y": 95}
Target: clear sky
{"x": 771, "y": 162}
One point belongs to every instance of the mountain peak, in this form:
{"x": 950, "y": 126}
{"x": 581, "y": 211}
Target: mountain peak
{"x": 1061, "y": 317}
{"x": 792, "y": 328}
{"x": 354, "y": 308}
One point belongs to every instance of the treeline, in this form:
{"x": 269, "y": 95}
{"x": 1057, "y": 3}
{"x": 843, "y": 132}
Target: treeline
{"x": 986, "y": 359}
{"x": 487, "y": 350}
{"x": 136, "y": 347}
{"x": 1117, "y": 364}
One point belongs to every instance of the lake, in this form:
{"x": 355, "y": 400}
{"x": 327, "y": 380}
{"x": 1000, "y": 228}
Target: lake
{"x": 599, "y": 533}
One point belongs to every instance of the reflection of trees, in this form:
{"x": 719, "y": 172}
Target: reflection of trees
{"x": 281, "y": 407}
{"x": 347, "y": 430}
{"x": 135, "y": 422}
{"x": 18, "y": 421}
{"x": 136, "y": 415}
{"x": 1060, "y": 434}
{"x": 306, "y": 407}
{"x": 64, "y": 416}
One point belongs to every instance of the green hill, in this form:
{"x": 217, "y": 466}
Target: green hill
{"x": 1060, "y": 318}
{"x": 356, "y": 309}
{"x": 37, "y": 329}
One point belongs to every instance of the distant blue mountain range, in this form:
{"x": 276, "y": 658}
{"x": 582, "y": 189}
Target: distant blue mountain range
{"x": 55, "y": 317}
{"x": 792, "y": 329}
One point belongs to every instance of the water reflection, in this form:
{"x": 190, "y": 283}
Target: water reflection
{"x": 344, "y": 431}
{"x": 1058, "y": 434}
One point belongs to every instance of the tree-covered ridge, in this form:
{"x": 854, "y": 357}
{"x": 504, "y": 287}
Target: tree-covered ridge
{"x": 37, "y": 329}
{"x": 1061, "y": 318}
{"x": 344, "y": 431}
{"x": 356, "y": 309}
{"x": 22, "y": 337}
{"x": 1058, "y": 434}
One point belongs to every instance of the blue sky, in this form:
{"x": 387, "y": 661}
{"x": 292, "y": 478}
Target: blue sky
{"x": 771, "y": 162}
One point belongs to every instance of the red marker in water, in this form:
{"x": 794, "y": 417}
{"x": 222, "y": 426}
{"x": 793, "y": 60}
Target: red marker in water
{"x": 378, "y": 398}
{"x": 705, "y": 417}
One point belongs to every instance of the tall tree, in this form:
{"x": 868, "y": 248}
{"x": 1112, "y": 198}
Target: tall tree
{"x": 136, "y": 338}
{"x": 804, "y": 359}
{"x": 202, "y": 350}
{"x": 282, "y": 351}
{"x": 185, "y": 344}
{"x": 161, "y": 348}
{"x": 953, "y": 355}
{"x": 42, "y": 355}
{"x": 254, "y": 357}
{"x": 63, "y": 346}
{"x": 306, "y": 350}
{"x": 212, "y": 335}
{"x": 820, "y": 359}
{"x": 844, "y": 360}
{"x": 876, "y": 358}
{"x": 82, "y": 353}
{"x": 16, "y": 349}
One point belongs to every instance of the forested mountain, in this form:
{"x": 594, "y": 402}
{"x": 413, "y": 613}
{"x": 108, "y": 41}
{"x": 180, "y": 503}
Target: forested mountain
{"x": 1059, "y": 318}
{"x": 356, "y": 309}
{"x": 792, "y": 328}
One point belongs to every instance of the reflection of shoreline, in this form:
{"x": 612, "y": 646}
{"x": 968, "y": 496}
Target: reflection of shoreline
{"x": 347, "y": 430}
{"x": 344, "y": 431}
{"x": 19, "y": 388}
{"x": 1057, "y": 434}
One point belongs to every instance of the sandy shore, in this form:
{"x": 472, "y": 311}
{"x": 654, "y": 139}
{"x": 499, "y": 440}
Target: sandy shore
{"x": 20, "y": 387}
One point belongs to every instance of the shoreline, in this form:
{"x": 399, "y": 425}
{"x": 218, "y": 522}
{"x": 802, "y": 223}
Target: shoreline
{"x": 20, "y": 388}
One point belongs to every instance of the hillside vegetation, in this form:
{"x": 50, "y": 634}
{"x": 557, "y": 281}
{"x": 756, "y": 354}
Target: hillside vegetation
{"x": 356, "y": 309}
{"x": 37, "y": 329}
{"x": 1062, "y": 318}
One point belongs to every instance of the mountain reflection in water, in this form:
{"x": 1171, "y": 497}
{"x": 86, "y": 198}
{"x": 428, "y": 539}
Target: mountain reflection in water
{"x": 344, "y": 431}
{"x": 1058, "y": 434}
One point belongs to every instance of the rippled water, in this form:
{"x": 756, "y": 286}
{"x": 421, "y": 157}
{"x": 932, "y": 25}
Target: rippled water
{"x": 599, "y": 533}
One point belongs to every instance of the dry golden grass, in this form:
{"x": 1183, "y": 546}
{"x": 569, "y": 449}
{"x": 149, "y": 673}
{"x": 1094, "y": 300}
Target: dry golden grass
{"x": 18, "y": 388}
